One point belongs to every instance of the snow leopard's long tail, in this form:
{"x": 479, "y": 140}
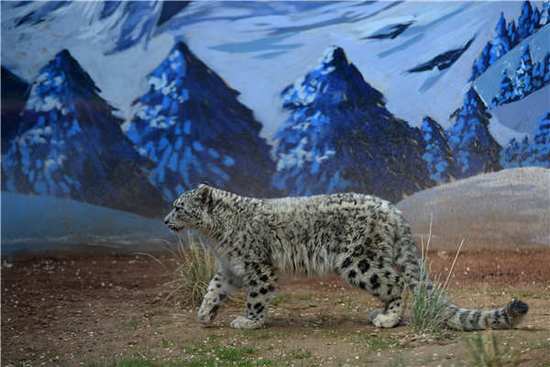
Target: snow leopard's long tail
{"x": 455, "y": 317}
{"x": 506, "y": 317}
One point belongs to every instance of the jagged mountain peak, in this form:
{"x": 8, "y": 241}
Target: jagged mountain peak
{"x": 471, "y": 142}
{"x": 173, "y": 66}
{"x": 65, "y": 55}
{"x": 472, "y": 104}
{"x": 61, "y": 80}
{"x": 428, "y": 121}
{"x": 335, "y": 81}
{"x": 182, "y": 71}
{"x": 183, "y": 48}
{"x": 334, "y": 63}
{"x": 339, "y": 135}
{"x": 178, "y": 61}
{"x": 69, "y": 144}
{"x": 437, "y": 153}
{"x": 334, "y": 56}
{"x": 432, "y": 128}
{"x": 65, "y": 63}
{"x": 64, "y": 85}
{"x": 183, "y": 123}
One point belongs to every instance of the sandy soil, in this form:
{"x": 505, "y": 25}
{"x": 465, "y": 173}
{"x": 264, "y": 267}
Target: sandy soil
{"x": 72, "y": 310}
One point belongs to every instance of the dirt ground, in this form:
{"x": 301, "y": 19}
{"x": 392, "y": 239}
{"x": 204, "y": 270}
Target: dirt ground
{"x": 108, "y": 310}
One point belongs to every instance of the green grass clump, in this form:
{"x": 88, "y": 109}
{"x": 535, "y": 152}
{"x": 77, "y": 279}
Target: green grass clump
{"x": 233, "y": 354}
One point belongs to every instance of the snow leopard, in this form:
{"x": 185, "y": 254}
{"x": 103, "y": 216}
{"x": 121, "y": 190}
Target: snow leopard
{"x": 364, "y": 239}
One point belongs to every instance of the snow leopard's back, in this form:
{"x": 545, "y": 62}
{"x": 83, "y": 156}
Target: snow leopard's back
{"x": 311, "y": 234}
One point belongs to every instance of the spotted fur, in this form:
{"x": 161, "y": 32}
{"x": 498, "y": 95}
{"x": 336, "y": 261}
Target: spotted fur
{"x": 363, "y": 238}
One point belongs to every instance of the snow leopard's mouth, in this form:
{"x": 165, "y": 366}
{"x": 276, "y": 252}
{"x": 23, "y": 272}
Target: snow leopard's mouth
{"x": 174, "y": 228}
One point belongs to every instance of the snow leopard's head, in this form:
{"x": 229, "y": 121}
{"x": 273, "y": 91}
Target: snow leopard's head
{"x": 190, "y": 209}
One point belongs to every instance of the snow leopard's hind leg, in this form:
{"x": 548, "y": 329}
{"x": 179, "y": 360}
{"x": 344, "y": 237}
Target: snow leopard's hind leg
{"x": 372, "y": 268}
{"x": 219, "y": 288}
{"x": 259, "y": 281}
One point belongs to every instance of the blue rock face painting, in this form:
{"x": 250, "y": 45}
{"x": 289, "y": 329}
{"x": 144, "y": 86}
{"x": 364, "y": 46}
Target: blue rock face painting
{"x": 192, "y": 126}
{"x": 340, "y": 137}
{"x": 128, "y": 104}
{"x": 528, "y": 78}
{"x": 14, "y": 91}
{"x": 111, "y": 110}
{"x": 438, "y": 155}
{"x": 69, "y": 144}
{"x": 534, "y": 152}
{"x": 472, "y": 145}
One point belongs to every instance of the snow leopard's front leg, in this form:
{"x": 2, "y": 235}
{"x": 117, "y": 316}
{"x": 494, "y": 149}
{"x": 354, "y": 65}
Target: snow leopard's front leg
{"x": 260, "y": 283}
{"x": 219, "y": 288}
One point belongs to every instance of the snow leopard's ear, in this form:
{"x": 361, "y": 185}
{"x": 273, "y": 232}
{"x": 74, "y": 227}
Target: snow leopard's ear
{"x": 204, "y": 192}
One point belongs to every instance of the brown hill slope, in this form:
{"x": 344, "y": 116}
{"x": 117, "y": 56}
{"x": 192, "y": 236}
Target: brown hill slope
{"x": 510, "y": 208}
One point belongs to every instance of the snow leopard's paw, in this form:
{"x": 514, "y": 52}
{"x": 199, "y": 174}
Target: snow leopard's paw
{"x": 373, "y": 314}
{"x": 207, "y": 314}
{"x": 386, "y": 320}
{"x": 242, "y": 322}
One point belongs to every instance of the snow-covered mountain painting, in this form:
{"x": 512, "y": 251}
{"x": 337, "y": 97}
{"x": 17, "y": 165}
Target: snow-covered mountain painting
{"x": 192, "y": 126}
{"x": 126, "y": 105}
{"x": 340, "y": 137}
{"x": 110, "y": 110}
{"x": 69, "y": 144}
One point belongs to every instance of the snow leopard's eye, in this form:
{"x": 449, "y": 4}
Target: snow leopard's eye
{"x": 181, "y": 209}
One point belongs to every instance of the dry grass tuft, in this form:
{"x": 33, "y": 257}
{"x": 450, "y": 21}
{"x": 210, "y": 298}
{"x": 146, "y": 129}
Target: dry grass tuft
{"x": 487, "y": 351}
{"x": 196, "y": 268}
{"x": 429, "y": 298}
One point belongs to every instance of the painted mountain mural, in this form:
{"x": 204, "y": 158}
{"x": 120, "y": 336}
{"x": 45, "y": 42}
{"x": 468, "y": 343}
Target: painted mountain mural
{"x": 508, "y": 36}
{"x": 340, "y": 137}
{"x": 14, "y": 94}
{"x": 70, "y": 145}
{"x": 530, "y": 152}
{"x": 438, "y": 155}
{"x": 268, "y": 42}
{"x": 528, "y": 78}
{"x": 512, "y": 73}
{"x": 334, "y": 132}
{"x": 192, "y": 126}
{"x": 474, "y": 148}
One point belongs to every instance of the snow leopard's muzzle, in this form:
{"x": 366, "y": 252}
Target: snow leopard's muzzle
{"x": 172, "y": 222}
